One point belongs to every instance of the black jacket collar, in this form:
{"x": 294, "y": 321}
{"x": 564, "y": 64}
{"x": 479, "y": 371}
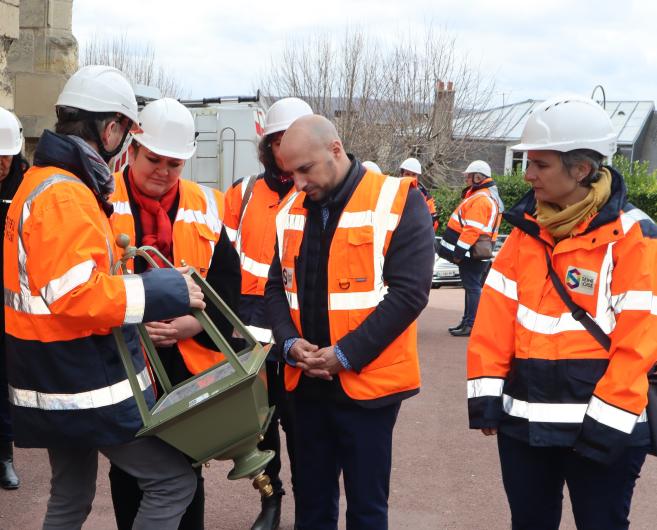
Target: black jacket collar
{"x": 59, "y": 150}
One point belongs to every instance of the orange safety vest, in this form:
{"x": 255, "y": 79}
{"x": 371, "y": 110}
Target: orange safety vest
{"x": 254, "y": 235}
{"x": 355, "y": 280}
{"x": 196, "y": 231}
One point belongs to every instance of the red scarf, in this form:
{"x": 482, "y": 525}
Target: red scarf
{"x": 157, "y": 230}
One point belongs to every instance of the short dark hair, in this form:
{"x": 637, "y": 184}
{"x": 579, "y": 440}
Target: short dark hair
{"x": 577, "y": 156}
{"x": 82, "y": 123}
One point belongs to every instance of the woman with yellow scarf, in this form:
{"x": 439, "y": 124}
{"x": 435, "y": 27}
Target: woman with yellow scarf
{"x": 566, "y": 332}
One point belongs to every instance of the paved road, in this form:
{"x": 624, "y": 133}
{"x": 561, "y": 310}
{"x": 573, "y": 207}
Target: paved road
{"x": 444, "y": 476}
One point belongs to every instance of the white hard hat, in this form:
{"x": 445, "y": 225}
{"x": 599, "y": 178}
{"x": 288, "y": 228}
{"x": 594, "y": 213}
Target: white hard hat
{"x": 566, "y": 123}
{"x": 478, "y": 166}
{"x": 11, "y": 133}
{"x": 372, "y": 166}
{"x": 168, "y": 129}
{"x": 283, "y": 113}
{"x": 412, "y": 164}
{"x": 100, "y": 89}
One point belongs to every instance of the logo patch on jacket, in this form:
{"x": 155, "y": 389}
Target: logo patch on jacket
{"x": 580, "y": 280}
{"x": 288, "y": 277}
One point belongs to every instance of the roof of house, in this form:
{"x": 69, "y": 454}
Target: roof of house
{"x": 506, "y": 123}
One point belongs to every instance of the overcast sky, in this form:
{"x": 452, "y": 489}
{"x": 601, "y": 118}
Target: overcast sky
{"x": 531, "y": 49}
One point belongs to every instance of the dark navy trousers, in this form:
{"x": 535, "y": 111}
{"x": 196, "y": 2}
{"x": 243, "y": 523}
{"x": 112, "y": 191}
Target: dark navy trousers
{"x": 534, "y": 478}
{"x": 342, "y": 437}
{"x": 5, "y": 417}
{"x": 472, "y": 273}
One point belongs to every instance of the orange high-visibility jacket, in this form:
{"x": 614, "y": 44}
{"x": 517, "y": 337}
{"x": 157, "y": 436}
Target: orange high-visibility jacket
{"x": 254, "y": 237}
{"x": 355, "y": 281}
{"x": 68, "y": 386}
{"x": 479, "y": 213}
{"x": 196, "y": 232}
{"x": 533, "y": 370}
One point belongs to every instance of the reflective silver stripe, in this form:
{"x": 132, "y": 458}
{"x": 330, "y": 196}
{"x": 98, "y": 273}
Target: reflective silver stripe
{"x": 92, "y": 399}
{"x": 238, "y": 235}
{"x": 635, "y": 301}
{"x": 463, "y": 244}
{"x": 629, "y": 219}
{"x": 72, "y": 278}
{"x": 365, "y": 218}
{"x": 263, "y": 335}
{"x": 365, "y": 300}
{"x": 604, "y": 309}
{"x": 211, "y": 202}
{"x": 285, "y": 221}
{"x": 545, "y": 324}
{"x": 447, "y": 245}
{"x": 572, "y": 412}
{"x": 496, "y": 280}
{"x": 544, "y": 412}
{"x": 135, "y": 299}
{"x": 257, "y": 269}
{"x": 245, "y": 184}
{"x": 467, "y": 222}
{"x": 122, "y": 208}
{"x": 232, "y": 234}
{"x": 292, "y": 300}
{"x": 611, "y": 416}
{"x": 485, "y": 387}
{"x": 196, "y": 216}
{"x": 24, "y": 301}
{"x": 382, "y": 214}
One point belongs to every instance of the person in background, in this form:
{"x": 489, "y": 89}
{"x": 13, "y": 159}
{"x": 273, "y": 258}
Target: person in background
{"x": 368, "y": 164}
{"x": 155, "y": 207}
{"x": 12, "y": 168}
{"x": 67, "y": 385}
{"x": 566, "y": 402}
{"x": 351, "y": 273}
{"x": 412, "y": 168}
{"x": 477, "y": 216}
{"x": 251, "y": 207}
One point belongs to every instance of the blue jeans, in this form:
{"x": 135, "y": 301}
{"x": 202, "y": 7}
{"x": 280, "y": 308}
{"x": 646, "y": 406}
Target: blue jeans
{"x": 534, "y": 478}
{"x": 472, "y": 274}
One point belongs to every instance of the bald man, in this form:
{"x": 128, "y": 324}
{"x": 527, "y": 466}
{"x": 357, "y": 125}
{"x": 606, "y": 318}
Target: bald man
{"x": 351, "y": 274}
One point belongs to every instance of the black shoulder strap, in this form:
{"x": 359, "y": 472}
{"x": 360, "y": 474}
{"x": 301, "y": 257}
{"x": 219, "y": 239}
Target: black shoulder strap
{"x": 247, "y": 195}
{"x": 578, "y": 313}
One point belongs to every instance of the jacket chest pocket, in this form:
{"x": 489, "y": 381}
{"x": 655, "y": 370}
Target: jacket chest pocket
{"x": 360, "y": 255}
{"x": 196, "y": 247}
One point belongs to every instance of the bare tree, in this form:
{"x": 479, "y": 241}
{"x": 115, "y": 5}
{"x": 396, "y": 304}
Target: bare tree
{"x": 389, "y": 101}
{"x": 137, "y": 60}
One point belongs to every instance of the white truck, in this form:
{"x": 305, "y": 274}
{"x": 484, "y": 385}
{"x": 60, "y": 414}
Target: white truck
{"x": 229, "y": 130}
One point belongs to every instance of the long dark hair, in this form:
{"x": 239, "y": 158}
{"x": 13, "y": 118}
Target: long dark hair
{"x": 266, "y": 155}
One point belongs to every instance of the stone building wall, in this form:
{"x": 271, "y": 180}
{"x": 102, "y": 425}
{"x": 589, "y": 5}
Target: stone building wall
{"x": 9, "y": 29}
{"x": 41, "y": 56}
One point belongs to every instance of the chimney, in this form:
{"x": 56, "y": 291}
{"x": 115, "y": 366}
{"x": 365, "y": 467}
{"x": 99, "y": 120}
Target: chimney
{"x": 444, "y": 110}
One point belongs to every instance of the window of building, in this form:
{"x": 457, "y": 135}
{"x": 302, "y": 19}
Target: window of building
{"x": 515, "y": 161}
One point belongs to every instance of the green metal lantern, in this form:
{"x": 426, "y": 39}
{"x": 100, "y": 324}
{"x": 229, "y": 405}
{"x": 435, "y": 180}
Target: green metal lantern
{"x": 220, "y": 413}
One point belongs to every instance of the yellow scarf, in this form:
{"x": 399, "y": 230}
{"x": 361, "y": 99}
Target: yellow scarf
{"x": 561, "y": 223}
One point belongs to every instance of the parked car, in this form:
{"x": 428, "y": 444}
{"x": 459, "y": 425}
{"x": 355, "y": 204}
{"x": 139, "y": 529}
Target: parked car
{"x": 447, "y": 273}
